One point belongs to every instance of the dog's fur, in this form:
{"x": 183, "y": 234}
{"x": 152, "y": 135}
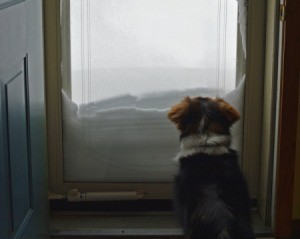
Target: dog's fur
{"x": 211, "y": 194}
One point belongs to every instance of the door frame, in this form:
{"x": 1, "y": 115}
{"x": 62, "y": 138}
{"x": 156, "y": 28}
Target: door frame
{"x": 288, "y": 120}
{"x": 252, "y": 111}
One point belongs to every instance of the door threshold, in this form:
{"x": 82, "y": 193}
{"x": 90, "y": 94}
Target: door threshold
{"x": 158, "y": 226}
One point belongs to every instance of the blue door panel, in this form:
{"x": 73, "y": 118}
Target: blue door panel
{"x": 5, "y": 225}
{"x": 23, "y": 168}
{"x": 19, "y": 162}
{"x": 16, "y": 147}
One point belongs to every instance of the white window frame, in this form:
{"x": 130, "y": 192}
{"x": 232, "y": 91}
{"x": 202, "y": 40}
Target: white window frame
{"x": 257, "y": 125}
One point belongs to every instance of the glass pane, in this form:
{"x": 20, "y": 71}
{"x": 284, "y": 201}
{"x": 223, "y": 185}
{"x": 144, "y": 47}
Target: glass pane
{"x": 130, "y": 61}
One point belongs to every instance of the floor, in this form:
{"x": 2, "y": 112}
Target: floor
{"x": 127, "y": 226}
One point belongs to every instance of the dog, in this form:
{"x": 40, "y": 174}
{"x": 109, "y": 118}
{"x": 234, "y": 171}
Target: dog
{"x": 210, "y": 191}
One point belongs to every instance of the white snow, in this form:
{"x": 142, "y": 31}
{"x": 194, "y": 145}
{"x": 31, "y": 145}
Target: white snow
{"x": 127, "y": 138}
{"x": 123, "y": 134}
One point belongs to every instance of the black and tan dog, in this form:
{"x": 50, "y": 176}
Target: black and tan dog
{"x": 211, "y": 194}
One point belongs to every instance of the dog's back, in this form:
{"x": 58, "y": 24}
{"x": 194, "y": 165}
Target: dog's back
{"x": 210, "y": 191}
{"x": 211, "y": 197}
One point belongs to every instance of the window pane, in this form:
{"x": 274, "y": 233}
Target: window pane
{"x": 130, "y": 61}
{"x": 144, "y": 46}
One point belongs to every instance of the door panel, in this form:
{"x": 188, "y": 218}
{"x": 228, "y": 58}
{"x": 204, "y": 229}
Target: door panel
{"x": 13, "y": 40}
{"x": 14, "y": 93}
{"x": 23, "y": 172}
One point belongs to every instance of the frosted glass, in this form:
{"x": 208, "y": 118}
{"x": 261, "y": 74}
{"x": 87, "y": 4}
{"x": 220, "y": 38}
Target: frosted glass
{"x": 130, "y": 61}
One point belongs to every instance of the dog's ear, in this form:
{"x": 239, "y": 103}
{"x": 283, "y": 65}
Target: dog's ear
{"x": 186, "y": 115}
{"x": 179, "y": 112}
{"x": 230, "y": 114}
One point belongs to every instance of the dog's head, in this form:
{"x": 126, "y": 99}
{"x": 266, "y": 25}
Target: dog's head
{"x": 202, "y": 116}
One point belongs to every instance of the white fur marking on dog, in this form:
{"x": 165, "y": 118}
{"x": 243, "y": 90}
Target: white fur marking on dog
{"x": 211, "y": 144}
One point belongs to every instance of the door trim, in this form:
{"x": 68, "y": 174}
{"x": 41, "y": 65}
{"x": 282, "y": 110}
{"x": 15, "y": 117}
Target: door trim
{"x": 288, "y": 120}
